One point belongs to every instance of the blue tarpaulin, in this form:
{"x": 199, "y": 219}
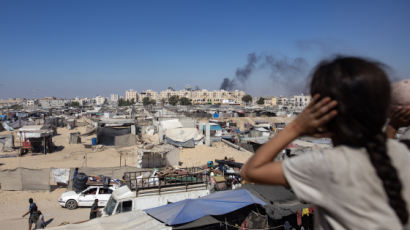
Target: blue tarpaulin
{"x": 218, "y": 203}
{"x": 213, "y": 127}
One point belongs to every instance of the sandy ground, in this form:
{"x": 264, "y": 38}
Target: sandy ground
{"x": 13, "y": 204}
{"x": 200, "y": 155}
{"x": 72, "y": 155}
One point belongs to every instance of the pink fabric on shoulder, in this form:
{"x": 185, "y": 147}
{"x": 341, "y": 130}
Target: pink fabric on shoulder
{"x": 401, "y": 93}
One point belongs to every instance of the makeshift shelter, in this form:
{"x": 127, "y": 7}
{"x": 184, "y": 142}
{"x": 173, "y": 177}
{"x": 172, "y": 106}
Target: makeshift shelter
{"x": 218, "y": 203}
{"x": 75, "y": 138}
{"x": 208, "y": 221}
{"x": 183, "y": 137}
{"x": 128, "y": 220}
{"x": 36, "y": 138}
{"x": 280, "y": 201}
{"x": 6, "y": 142}
{"x": 117, "y": 132}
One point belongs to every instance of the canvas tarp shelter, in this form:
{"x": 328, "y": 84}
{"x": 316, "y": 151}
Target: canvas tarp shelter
{"x": 25, "y": 179}
{"x": 218, "y": 203}
{"x": 280, "y": 201}
{"x": 186, "y": 144}
{"x": 128, "y": 220}
{"x": 183, "y": 137}
{"x": 204, "y": 221}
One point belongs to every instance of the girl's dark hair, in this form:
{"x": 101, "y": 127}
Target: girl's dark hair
{"x": 362, "y": 90}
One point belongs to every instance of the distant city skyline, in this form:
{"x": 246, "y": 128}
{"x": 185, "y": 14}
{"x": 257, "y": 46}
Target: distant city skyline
{"x": 88, "y": 48}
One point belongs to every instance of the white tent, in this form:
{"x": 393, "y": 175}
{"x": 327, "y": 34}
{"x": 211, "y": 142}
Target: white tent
{"x": 129, "y": 220}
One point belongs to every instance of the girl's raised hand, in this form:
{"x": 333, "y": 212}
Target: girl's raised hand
{"x": 315, "y": 115}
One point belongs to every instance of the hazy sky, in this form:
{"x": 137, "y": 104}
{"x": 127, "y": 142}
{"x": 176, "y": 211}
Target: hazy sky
{"x": 68, "y": 48}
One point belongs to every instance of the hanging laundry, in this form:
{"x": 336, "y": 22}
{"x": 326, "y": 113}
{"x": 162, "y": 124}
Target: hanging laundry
{"x": 299, "y": 217}
{"x": 305, "y": 212}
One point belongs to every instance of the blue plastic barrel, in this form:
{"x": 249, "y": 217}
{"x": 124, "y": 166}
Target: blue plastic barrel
{"x": 94, "y": 141}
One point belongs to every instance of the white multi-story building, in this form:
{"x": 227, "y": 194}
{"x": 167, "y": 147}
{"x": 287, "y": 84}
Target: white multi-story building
{"x": 301, "y": 101}
{"x": 131, "y": 94}
{"x": 196, "y": 96}
{"x": 99, "y": 100}
{"x": 31, "y": 102}
{"x": 152, "y": 95}
{"x": 51, "y": 102}
{"x": 114, "y": 97}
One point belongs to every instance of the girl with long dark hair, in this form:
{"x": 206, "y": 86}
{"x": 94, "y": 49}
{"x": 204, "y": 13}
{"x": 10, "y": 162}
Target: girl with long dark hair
{"x": 363, "y": 182}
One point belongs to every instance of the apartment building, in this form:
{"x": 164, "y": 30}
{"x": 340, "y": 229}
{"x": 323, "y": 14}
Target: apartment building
{"x": 131, "y": 94}
{"x": 99, "y": 100}
{"x": 152, "y": 95}
{"x": 196, "y": 96}
{"x": 301, "y": 101}
{"x": 114, "y": 97}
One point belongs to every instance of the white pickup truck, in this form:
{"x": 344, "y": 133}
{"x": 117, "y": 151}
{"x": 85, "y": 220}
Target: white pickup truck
{"x": 125, "y": 200}
{"x": 72, "y": 200}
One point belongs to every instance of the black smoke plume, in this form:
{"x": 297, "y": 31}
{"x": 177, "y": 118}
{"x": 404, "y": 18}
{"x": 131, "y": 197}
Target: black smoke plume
{"x": 228, "y": 84}
{"x": 286, "y": 72}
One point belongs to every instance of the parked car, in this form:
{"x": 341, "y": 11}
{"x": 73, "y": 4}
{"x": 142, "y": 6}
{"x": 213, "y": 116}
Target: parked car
{"x": 72, "y": 200}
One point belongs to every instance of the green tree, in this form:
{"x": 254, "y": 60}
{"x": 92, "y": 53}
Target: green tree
{"x": 146, "y": 101}
{"x": 260, "y": 101}
{"x": 185, "y": 101}
{"x": 74, "y": 104}
{"x": 153, "y": 102}
{"x": 121, "y": 102}
{"x": 247, "y": 98}
{"x": 173, "y": 100}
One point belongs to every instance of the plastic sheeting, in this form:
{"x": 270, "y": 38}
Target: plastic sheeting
{"x": 280, "y": 201}
{"x": 60, "y": 175}
{"x": 129, "y": 220}
{"x": 6, "y": 126}
{"x": 183, "y": 134}
{"x": 213, "y": 127}
{"x": 218, "y": 203}
{"x": 25, "y": 179}
{"x": 171, "y": 124}
{"x": 186, "y": 144}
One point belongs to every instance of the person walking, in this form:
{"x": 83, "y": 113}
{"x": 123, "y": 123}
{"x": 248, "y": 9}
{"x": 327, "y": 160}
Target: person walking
{"x": 31, "y": 209}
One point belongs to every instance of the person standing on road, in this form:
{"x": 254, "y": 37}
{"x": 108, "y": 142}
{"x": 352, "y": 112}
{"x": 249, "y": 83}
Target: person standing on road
{"x": 94, "y": 210}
